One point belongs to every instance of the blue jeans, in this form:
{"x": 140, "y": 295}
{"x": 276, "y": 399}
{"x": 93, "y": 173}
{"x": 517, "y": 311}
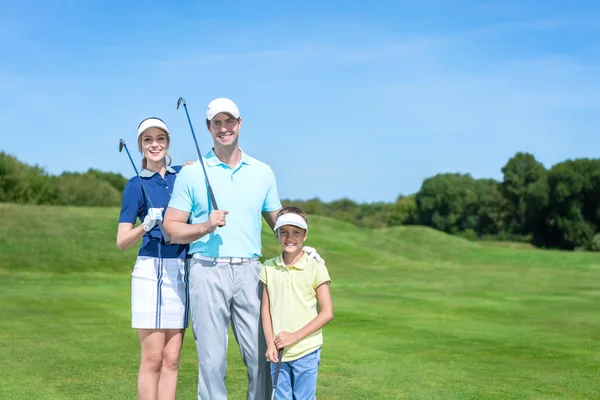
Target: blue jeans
{"x": 298, "y": 379}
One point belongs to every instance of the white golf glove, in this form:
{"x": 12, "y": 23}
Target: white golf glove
{"x": 312, "y": 254}
{"x": 154, "y": 215}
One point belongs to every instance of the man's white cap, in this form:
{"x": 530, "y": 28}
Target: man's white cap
{"x": 290, "y": 219}
{"x": 152, "y": 122}
{"x": 222, "y": 105}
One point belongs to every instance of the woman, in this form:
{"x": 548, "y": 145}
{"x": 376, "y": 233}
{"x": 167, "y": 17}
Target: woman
{"x": 159, "y": 289}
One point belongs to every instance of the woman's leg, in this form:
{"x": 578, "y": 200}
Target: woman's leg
{"x": 152, "y": 343}
{"x": 167, "y": 385}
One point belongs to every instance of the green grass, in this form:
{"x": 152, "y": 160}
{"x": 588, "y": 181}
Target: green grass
{"x": 418, "y": 314}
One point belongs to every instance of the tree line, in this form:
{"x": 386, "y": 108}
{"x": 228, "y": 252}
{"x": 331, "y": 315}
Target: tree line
{"x": 550, "y": 208}
{"x": 22, "y": 183}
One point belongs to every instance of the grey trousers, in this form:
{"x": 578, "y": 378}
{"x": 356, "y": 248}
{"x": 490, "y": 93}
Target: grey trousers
{"x": 221, "y": 293}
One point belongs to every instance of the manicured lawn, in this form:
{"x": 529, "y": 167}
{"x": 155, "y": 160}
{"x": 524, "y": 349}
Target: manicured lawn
{"x": 418, "y": 314}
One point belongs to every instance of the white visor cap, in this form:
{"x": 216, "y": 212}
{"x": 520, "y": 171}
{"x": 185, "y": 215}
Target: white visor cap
{"x": 290, "y": 219}
{"x": 152, "y": 122}
{"x": 222, "y": 105}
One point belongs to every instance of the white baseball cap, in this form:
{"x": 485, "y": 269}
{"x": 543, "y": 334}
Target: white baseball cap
{"x": 152, "y": 122}
{"x": 221, "y": 105}
{"x": 290, "y": 219}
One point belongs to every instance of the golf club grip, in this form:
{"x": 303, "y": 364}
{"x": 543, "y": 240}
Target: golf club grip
{"x": 213, "y": 201}
{"x": 279, "y": 355}
{"x": 164, "y": 233}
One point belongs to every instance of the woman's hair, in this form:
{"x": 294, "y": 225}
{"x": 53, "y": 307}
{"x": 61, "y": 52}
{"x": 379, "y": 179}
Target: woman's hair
{"x": 144, "y": 161}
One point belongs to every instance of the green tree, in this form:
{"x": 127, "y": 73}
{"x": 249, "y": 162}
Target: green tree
{"x": 404, "y": 211}
{"x": 448, "y": 202}
{"x": 574, "y": 203}
{"x": 526, "y": 190}
{"x": 493, "y": 207}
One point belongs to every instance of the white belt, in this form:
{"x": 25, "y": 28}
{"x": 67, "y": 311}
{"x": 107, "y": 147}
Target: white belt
{"x": 229, "y": 260}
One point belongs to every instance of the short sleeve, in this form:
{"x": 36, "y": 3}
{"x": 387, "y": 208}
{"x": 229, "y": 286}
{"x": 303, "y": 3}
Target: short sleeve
{"x": 131, "y": 203}
{"x": 182, "y": 196}
{"x": 272, "y": 201}
{"x": 321, "y": 274}
{"x": 263, "y": 274}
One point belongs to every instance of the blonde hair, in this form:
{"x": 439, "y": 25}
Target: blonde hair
{"x": 144, "y": 161}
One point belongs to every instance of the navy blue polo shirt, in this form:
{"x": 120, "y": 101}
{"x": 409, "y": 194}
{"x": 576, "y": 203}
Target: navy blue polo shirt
{"x": 135, "y": 206}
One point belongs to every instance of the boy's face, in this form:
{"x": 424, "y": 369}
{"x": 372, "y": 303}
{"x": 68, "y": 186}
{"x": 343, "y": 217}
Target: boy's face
{"x": 291, "y": 238}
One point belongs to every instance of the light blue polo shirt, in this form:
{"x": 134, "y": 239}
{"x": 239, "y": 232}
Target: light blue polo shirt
{"x": 245, "y": 192}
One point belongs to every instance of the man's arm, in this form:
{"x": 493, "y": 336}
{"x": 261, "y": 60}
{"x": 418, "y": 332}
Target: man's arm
{"x": 181, "y": 232}
{"x": 270, "y": 217}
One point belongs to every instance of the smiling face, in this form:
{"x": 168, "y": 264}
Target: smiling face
{"x": 291, "y": 238}
{"x": 225, "y": 129}
{"x": 153, "y": 144}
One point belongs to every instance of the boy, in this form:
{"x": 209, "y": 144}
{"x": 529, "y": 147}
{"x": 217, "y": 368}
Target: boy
{"x": 293, "y": 286}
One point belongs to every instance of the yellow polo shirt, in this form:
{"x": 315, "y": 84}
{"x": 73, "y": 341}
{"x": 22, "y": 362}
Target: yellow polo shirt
{"x": 293, "y": 300}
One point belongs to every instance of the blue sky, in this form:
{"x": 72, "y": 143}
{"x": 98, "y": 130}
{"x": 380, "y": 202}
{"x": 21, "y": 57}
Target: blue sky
{"x": 360, "y": 100}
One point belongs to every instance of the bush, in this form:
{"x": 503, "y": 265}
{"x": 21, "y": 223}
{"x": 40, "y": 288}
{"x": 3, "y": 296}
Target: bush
{"x": 595, "y": 243}
{"x": 85, "y": 190}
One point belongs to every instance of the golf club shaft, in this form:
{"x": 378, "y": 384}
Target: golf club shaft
{"x": 210, "y": 192}
{"x": 279, "y": 356}
{"x": 160, "y": 223}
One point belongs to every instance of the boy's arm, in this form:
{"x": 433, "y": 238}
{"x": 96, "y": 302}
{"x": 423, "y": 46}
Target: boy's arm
{"x": 267, "y": 325}
{"x": 284, "y": 339}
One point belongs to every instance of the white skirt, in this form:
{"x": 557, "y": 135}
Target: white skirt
{"x": 160, "y": 293}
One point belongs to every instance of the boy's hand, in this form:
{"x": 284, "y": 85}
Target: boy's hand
{"x": 271, "y": 353}
{"x": 285, "y": 339}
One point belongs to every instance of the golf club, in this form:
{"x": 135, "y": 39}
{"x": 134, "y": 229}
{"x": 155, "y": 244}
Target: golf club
{"x": 210, "y": 192}
{"x": 279, "y": 355}
{"x": 160, "y": 223}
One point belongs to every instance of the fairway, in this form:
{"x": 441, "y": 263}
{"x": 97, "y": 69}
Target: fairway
{"x": 418, "y": 314}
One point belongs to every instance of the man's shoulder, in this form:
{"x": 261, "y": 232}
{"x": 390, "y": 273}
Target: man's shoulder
{"x": 188, "y": 171}
{"x": 256, "y": 162}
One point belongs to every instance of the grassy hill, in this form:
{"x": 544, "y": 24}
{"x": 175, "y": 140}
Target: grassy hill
{"x": 418, "y": 314}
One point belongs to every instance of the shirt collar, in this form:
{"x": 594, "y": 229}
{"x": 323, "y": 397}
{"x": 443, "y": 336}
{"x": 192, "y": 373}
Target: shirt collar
{"x": 212, "y": 160}
{"x": 145, "y": 173}
{"x": 299, "y": 265}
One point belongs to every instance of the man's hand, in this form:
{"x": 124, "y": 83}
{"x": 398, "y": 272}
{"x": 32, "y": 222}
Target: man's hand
{"x": 215, "y": 219}
{"x": 271, "y": 353}
{"x": 154, "y": 215}
{"x": 312, "y": 253}
{"x": 285, "y": 339}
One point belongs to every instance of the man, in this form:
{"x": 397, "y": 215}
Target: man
{"x": 226, "y": 244}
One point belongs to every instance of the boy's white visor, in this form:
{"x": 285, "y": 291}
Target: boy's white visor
{"x": 290, "y": 219}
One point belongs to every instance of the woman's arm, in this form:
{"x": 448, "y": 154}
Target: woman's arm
{"x": 128, "y": 236}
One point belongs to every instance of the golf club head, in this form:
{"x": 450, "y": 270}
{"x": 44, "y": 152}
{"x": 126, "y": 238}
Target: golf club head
{"x": 121, "y": 144}
{"x": 181, "y": 100}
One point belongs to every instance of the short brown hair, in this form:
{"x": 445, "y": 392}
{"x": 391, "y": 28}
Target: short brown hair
{"x": 293, "y": 210}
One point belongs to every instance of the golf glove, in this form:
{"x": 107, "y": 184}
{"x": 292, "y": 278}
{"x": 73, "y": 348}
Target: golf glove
{"x": 312, "y": 254}
{"x": 154, "y": 215}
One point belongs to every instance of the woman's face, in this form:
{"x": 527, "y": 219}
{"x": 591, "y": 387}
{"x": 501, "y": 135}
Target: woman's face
{"x": 155, "y": 143}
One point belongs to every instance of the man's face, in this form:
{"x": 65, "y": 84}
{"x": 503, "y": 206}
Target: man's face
{"x": 225, "y": 129}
